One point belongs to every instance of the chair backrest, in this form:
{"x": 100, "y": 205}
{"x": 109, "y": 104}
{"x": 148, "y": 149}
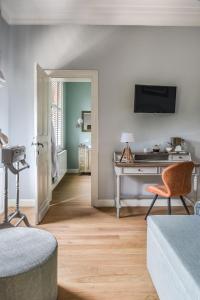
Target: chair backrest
{"x": 177, "y": 178}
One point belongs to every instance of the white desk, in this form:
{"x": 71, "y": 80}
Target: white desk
{"x": 147, "y": 169}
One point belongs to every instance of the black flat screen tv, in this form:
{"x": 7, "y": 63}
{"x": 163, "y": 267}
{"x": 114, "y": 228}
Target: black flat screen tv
{"x": 154, "y": 99}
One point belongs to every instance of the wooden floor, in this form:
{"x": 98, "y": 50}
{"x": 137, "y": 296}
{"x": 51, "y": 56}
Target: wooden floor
{"x": 99, "y": 257}
{"x": 73, "y": 190}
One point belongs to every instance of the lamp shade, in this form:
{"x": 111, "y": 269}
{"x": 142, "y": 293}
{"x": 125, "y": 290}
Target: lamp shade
{"x": 127, "y": 137}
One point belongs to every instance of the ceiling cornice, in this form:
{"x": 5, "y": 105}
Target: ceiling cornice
{"x": 102, "y": 12}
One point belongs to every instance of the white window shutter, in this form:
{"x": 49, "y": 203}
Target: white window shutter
{"x": 57, "y": 113}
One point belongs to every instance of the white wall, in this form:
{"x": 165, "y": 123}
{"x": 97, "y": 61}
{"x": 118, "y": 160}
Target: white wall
{"x": 4, "y": 98}
{"x": 4, "y": 66}
{"x": 123, "y": 56}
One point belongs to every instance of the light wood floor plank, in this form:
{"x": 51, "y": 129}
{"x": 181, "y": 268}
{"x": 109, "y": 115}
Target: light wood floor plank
{"x": 99, "y": 256}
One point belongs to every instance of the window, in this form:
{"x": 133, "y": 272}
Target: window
{"x": 57, "y": 113}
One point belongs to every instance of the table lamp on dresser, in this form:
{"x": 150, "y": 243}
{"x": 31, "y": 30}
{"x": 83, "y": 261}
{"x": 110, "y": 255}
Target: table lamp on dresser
{"x": 127, "y": 156}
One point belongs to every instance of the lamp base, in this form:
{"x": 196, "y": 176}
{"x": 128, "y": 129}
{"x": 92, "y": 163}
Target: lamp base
{"x": 127, "y": 155}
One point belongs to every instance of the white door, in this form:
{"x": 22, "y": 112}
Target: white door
{"x": 42, "y": 143}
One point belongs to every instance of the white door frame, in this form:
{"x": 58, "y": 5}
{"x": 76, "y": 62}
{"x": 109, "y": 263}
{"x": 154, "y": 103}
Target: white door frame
{"x": 93, "y": 76}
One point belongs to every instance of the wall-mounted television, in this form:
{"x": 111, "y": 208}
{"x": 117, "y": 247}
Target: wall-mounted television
{"x": 154, "y": 99}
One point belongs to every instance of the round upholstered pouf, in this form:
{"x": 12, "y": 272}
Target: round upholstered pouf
{"x": 28, "y": 264}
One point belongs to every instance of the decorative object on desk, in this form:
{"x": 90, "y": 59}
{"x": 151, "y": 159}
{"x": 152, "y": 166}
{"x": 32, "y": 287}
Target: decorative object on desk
{"x": 169, "y": 149}
{"x": 178, "y": 148}
{"x": 127, "y": 156}
{"x": 156, "y": 148}
{"x": 3, "y": 139}
{"x": 177, "y": 141}
{"x": 146, "y": 150}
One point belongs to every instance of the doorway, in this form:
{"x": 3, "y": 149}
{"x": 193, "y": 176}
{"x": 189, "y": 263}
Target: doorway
{"x": 42, "y": 78}
{"x": 71, "y": 127}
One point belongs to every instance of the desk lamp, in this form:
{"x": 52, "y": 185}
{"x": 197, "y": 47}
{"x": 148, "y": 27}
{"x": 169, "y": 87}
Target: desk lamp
{"x": 127, "y": 137}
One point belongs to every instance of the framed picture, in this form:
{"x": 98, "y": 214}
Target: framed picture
{"x": 86, "y": 125}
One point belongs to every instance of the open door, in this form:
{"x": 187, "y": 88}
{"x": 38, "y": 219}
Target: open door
{"x": 42, "y": 142}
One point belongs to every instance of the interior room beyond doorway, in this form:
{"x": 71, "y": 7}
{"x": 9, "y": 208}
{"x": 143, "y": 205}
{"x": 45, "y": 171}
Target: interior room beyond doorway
{"x": 72, "y": 129}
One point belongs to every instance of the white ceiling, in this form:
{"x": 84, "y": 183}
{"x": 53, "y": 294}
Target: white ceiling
{"x": 102, "y": 12}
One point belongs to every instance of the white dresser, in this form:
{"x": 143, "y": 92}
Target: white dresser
{"x": 84, "y": 159}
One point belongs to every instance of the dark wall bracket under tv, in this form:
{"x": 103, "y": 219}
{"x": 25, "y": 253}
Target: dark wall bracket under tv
{"x": 155, "y": 99}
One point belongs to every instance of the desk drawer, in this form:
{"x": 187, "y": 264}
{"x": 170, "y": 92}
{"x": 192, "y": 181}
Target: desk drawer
{"x": 179, "y": 157}
{"x": 141, "y": 170}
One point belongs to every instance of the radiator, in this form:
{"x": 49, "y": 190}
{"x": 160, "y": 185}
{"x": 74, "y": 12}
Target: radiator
{"x": 62, "y": 167}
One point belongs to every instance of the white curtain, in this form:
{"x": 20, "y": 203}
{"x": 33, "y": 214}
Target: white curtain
{"x": 54, "y": 155}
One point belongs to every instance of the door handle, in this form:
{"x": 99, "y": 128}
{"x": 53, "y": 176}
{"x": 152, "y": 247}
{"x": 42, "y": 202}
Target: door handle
{"x": 37, "y": 144}
{"x": 40, "y": 144}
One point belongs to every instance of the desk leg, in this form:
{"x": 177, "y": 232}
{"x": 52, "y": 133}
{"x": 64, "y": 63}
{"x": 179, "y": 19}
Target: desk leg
{"x": 6, "y": 196}
{"x": 196, "y": 188}
{"x": 118, "y": 196}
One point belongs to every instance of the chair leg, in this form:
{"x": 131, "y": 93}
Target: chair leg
{"x": 169, "y": 206}
{"x": 152, "y": 204}
{"x": 184, "y": 204}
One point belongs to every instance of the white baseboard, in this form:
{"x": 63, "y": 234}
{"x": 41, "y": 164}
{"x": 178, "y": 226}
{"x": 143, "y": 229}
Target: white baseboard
{"x": 23, "y": 202}
{"x": 135, "y": 202}
{"x": 106, "y": 202}
{"x": 73, "y": 171}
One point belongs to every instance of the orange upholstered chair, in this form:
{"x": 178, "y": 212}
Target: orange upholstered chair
{"x": 177, "y": 182}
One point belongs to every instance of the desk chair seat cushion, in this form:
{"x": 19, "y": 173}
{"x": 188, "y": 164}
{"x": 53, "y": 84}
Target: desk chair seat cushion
{"x": 173, "y": 256}
{"x": 28, "y": 264}
{"x": 158, "y": 190}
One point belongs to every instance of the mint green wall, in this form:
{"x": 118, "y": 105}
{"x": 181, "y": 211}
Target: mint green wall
{"x": 77, "y": 97}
